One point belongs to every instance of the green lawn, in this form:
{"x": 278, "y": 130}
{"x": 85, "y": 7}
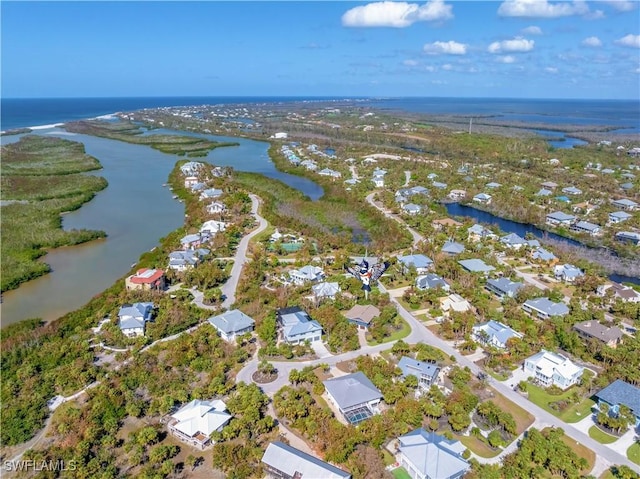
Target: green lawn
{"x": 633, "y": 453}
{"x": 388, "y": 457}
{"x": 401, "y": 333}
{"x": 573, "y": 413}
{"x": 607, "y": 475}
{"x": 477, "y": 446}
{"x": 495, "y": 375}
{"x": 523, "y": 418}
{"x": 599, "y": 435}
{"x": 400, "y": 473}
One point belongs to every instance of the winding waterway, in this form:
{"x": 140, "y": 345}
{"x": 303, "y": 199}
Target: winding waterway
{"x": 134, "y": 210}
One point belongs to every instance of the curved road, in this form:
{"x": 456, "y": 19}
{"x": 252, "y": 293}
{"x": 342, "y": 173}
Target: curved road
{"x": 417, "y": 238}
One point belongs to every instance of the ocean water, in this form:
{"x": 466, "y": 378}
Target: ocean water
{"x": 625, "y": 114}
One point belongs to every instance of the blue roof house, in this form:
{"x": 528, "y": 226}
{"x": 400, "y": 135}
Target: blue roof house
{"x": 132, "y": 318}
{"x": 354, "y": 395}
{"x": 620, "y": 393}
{"x": 426, "y": 373}
{"x": 426, "y": 455}
{"x": 494, "y": 333}
{"x": 232, "y": 324}
{"x": 284, "y": 461}
{"x": 421, "y": 262}
{"x": 297, "y": 327}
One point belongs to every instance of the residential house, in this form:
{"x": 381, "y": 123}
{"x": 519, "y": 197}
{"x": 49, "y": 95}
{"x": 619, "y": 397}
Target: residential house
{"x": 411, "y": 208}
{"x": 626, "y": 186}
{"x": 542, "y": 254}
{"x": 483, "y": 198}
{"x": 494, "y": 333}
{"x": 425, "y": 373}
{"x": 445, "y": 223}
{"x": 563, "y": 199}
{"x": 620, "y": 291}
{"x": 585, "y": 227}
{"x": 378, "y": 181}
{"x": 439, "y": 185}
{"x": 427, "y": 455}
{"x": 210, "y": 193}
{"x": 194, "y": 422}
{"x": 549, "y": 184}
{"x": 544, "y": 308}
{"x": 628, "y": 237}
{"x": 558, "y": 218}
{"x": 544, "y": 192}
{"x": 419, "y": 190}
{"x": 297, "y": 327}
{"x": 212, "y": 227}
{"x": 198, "y": 186}
{"x": 572, "y": 190}
{"x": 457, "y": 194}
{"x": 189, "y": 181}
{"x": 478, "y": 232}
{"x": 618, "y": 217}
{"x": 132, "y": 318}
{"x": 549, "y": 369}
{"x": 503, "y": 287}
{"x": 567, "y": 272}
{"x": 514, "y": 241}
{"x": 308, "y": 273}
{"x": 330, "y": 172}
{"x": 184, "y": 260}
{"x": 493, "y": 185}
{"x": 146, "y": 279}
{"x": 611, "y": 336}
{"x": 191, "y": 168}
{"x": 362, "y": 315}
{"x": 625, "y": 204}
{"x": 452, "y": 248}
{"x": 216, "y": 207}
{"x": 232, "y": 324}
{"x": 431, "y": 281}
{"x": 309, "y": 165}
{"x": 621, "y": 393}
{"x": 454, "y": 302}
{"x": 282, "y": 461}
{"x": 420, "y": 262}
{"x": 354, "y": 395}
{"x": 193, "y": 241}
{"x": 325, "y": 290}
{"x": 476, "y": 266}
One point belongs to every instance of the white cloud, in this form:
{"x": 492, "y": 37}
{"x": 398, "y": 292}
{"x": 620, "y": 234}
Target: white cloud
{"x": 518, "y": 44}
{"x": 396, "y": 14}
{"x": 621, "y": 5}
{"x": 632, "y": 41}
{"x": 446, "y": 48}
{"x": 542, "y": 8}
{"x": 551, "y": 70}
{"x": 592, "y": 42}
{"x": 410, "y": 63}
{"x": 637, "y": 70}
{"x": 506, "y": 59}
{"x": 532, "y": 30}
{"x": 447, "y": 67}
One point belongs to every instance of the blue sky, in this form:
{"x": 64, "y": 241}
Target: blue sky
{"x": 515, "y": 48}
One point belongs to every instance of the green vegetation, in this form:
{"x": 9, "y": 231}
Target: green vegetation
{"x": 41, "y": 179}
{"x": 599, "y": 435}
{"x": 574, "y": 413}
{"x": 181, "y": 145}
{"x": 633, "y": 453}
{"x": 400, "y": 473}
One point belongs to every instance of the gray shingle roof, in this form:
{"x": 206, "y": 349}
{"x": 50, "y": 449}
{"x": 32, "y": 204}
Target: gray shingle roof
{"x": 547, "y": 306}
{"x": 352, "y": 389}
{"x": 413, "y": 367}
{"x": 621, "y": 392}
{"x": 475, "y": 265}
{"x": 290, "y": 461}
{"x": 433, "y": 455}
{"x": 231, "y": 321}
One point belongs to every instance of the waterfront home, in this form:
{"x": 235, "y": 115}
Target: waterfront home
{"x": 514, "y": 241}
{"x": 542, "y": 254}
{"x": 232, "y": 324}
{"x": 427, "y": 455}
{"x": 476, "y": 266}
{"x": 189, "y": 181}
{"x": 621, "y": 393}
{"x": 308, "y": 273}
{"x": 411, "y": 209}
{"x": 194, "y": 422}
{"x": 619, "y": 291}
{"x": 420, "y": 262}
{"x": 330, "y": 172}
{"x": 494, "y": 333}
{"x": 452, "y": 248}
{"x": 483, "y": 198}
{"x": 431, "y": 281}
{"x": 628, "y": 237}
{"x": 445, "y": 223}
{"x": 567, "y": 272}
{"x": 146, "y": 279}
{"x": 192, "y": 168}
{"x": 618, "y": 217}
{"x": 210, "y": 193}
{"x": 457, "y": 194}
{"x": 184, "y": 260}
{"x": 454, "y": 302}
{"x": 625, "y": 204}
{"x": 558, "y": 218}
{"x": 280, "y": 135}
{"x": 212, "y": 227}
{"x": 425, "y": 373}
{"x": 297, "y": 327}
{"x": 132, "y": 318}
{"x": 362, "y": 315}
{"x": 572, "y": 190}
{"x": 611, "y": 336}
{"x": 198, "y": 186}
{"x": 544, "y": 308}
{"x": 585, "y": 227}
{"x": 503, "y": 287}
{"x": 282, "y": 461}
{"x": 194, "y": 240}
{"x": 354, "y": 395}
{"x": 544, "y": 192}
{"x": 216, "y": 207}
{"x": 478, "y": 232}
{"x": 547, "y": 369}
{"x": 325, "y": 290}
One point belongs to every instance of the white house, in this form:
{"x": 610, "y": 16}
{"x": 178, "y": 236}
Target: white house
{"x": 297, "y": 327}
{"x": 325, "y": 290}
{"x": 482, "y": 198}
{"x": 232, "y": 324}
{"x": 194, "y": 422}
{"x": 454, "y": 302}
{"x": 548, "y": 369}
{"x": 132, "y": 318}
{"x": 426, "y": 455}
{"x": 494, "y": 333}
{"x": 191, "y": 168}
{"x": 212, "y": 227}
{"x": 308, "y": 273}
{"x": 216, "y": 207}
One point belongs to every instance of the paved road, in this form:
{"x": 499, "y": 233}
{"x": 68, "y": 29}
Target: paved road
{"x": 229, "y": 288}
{"x": 417, "y": 238}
